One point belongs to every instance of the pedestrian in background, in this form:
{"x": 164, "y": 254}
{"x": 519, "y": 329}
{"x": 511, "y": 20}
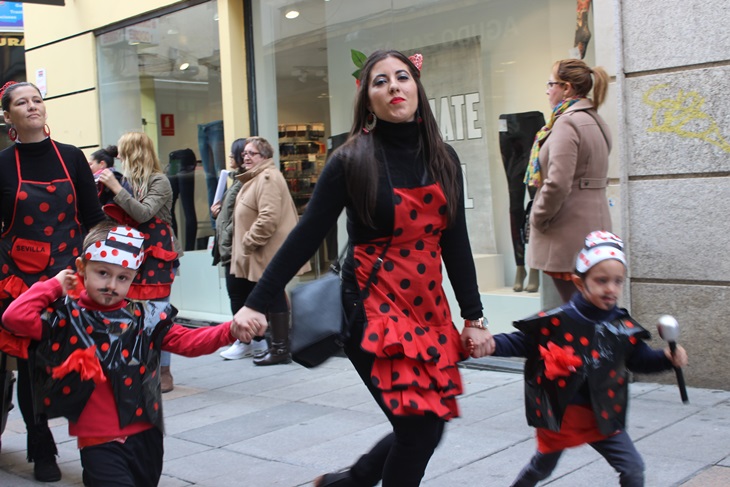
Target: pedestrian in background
{"x": 147, "y": 209}
{"x": 235, "y": 286}
{"x": 263, "y": 217}
{"x": 569, "y": 166}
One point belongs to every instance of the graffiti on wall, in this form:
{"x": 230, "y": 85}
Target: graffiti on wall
{"x": 683, "y": 116}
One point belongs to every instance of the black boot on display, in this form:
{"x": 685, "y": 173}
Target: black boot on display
{"x": 279, "y": 350}
{"x": 519, "y": 278}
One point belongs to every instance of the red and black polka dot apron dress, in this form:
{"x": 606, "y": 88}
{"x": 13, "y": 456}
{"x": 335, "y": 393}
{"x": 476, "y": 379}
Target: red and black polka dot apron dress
{"x": 44, "y": 236}
{"x": 409, "y": 327}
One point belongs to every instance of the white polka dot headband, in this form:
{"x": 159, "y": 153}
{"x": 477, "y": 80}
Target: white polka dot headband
{"x": 600, "y": 246}
{"x": 123, "y": 246}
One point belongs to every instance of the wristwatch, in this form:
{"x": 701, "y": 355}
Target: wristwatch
{"x": 480, "y": 324}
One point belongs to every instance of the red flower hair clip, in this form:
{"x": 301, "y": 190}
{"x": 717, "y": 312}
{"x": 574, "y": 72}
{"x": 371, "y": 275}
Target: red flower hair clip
{"x": 358, "y": 58}
{"x": 5, "y": 87}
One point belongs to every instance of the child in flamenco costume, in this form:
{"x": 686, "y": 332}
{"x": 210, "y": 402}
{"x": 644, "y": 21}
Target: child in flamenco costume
{"x": 97, "y": 357}
{"x": 576, "y": 373}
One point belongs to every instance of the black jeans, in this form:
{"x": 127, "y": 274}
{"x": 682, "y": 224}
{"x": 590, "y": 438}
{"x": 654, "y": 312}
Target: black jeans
{"x": 401, "y": 457}
{"x": 135, "y": 463}
{"x": 515, "y": 143}
{"x": 618, "y": 449}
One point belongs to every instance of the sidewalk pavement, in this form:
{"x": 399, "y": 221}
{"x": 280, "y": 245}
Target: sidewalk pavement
{"x": 230, "y": 423}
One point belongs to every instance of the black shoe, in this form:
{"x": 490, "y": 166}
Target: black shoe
{"x": 46, "y": 470}
{"x": 339, "y": 479}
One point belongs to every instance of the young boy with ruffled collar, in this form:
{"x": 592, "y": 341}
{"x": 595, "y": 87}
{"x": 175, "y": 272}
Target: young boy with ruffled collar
{"x": 96, "y": 356}
{"x": 577, "y": 370}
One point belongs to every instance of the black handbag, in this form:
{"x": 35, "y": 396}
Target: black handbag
{"x": 319, "y": 325}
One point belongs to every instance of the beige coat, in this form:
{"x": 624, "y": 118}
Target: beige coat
{"x": 263, "y": 216}
{"x": 572, "y": 200}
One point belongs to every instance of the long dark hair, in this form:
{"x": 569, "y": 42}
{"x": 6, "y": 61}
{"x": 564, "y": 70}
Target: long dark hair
{"x": 237, "y": 151}
{"x": 360, "y": 156}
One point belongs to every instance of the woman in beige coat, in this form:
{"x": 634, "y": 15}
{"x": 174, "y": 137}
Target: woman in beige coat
{"x": 569, "y": 166}
{"x": 263, "y": 216}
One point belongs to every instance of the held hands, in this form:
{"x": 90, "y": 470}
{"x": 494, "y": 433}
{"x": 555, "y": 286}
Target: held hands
{"x": 679, "y": 359}
{"x": 478, "y": 343}
{"x": 68, "y": 280}
{"x": 108, "y": 179}
{"x": 248, "y": 323}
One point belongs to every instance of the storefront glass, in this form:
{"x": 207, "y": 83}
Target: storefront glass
{"x": 162, "y": 76}
{"x": 484, "y": 62}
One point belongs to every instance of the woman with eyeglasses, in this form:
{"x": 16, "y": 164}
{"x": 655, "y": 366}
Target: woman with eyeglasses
{"x": 263, "y": 215}
{"x": 569, "y": 167}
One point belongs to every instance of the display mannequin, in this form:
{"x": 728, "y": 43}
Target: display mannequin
{"x": 212, "y": 155}
{"x": 181, "y": 173}
{"x": 516, "y": 134}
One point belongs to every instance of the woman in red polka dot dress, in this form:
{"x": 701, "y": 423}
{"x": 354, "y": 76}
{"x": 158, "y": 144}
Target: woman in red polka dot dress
{"x": 47, "y": 202}
{"x": 576, "y": 373}
{"x": 401, "y": 186}
{"x": 96, "y": 362}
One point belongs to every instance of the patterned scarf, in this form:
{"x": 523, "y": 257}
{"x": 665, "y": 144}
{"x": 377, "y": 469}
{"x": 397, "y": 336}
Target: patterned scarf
{"x": 533, "y": 176}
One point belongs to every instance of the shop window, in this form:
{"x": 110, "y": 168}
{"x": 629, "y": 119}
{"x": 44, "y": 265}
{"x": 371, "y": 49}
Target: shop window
{"x": 481, "y": 60}
{"x": 162, "y": 76}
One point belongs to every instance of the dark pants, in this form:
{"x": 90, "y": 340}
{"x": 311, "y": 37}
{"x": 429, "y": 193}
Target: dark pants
{"x": 135, "y": 463}
{"x": 41, "y": 444}
{"x": 515, "y": 142}
{"x": 239, "y": 288}
{"x": 400, "y": 458}
{"x": 183, "y": 186}
{"x": 618, "y": 450}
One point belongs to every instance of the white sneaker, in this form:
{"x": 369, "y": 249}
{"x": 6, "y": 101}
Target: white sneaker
{"x": 258, "y": 347}
{"x": 237, "y": 351}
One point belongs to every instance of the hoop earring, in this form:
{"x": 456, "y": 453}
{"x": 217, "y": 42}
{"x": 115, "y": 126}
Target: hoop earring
{"x": 46, "y": 130}
{"x": 370, "y": 122}
{"x": 13, "y": 134}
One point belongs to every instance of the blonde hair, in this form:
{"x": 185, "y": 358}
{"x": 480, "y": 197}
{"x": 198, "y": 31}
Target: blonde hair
{"x": 139, "y": 161}
{"x": 578, "y": 74}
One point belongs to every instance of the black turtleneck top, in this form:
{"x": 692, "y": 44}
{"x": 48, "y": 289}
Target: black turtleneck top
{"x": 398, "y": 145}
{"x": 39, "y": 162}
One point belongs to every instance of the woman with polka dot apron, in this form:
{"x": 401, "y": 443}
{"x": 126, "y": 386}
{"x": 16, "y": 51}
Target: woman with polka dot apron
{"x": 401, "y": 187}
{"x": 47, "y": 201}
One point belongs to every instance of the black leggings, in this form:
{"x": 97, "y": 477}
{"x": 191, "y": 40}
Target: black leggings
{"x": 41, "y": 444}
{"x": 401, "y": 457}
